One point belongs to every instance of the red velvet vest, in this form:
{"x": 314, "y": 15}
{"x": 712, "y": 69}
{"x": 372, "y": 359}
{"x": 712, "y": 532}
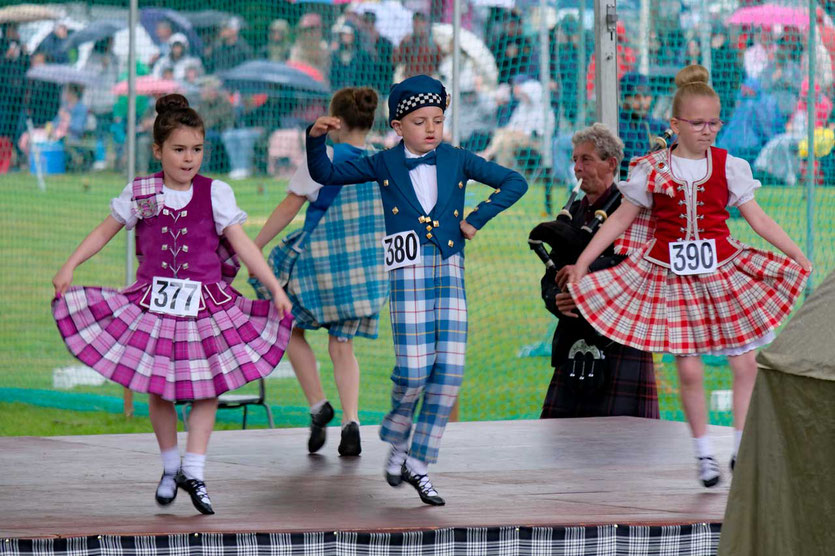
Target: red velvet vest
{"x": 698, "y": 212}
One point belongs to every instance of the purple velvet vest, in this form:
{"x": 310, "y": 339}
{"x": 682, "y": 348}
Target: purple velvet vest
{"x": 181, "y": 243}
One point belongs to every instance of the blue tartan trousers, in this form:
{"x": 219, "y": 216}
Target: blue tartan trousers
{"x": 428, "y": 309}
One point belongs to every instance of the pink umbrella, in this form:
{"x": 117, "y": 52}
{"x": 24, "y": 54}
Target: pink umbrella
{"x": 768, "y": 15}
{"x": 312, "y": 72}
{"x": 148, "y": 85}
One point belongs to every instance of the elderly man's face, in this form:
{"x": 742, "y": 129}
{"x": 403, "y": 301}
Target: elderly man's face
{"x": 597, "y": 173}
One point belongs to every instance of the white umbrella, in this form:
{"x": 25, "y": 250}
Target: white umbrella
{"x": 393, "y": 20}
{"x": 473, "y": 50}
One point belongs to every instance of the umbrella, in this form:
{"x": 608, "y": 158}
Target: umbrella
{"x": 208, "y": 18}
{"x": 148, "y": 85}
{"x": 22, "y": 13}
{"x": 62, "y": 73}
{"x": 94, "y": 32}
{"x": 308, "y": 69}
{"x": 260, "y": 76}
{"x": 768, "y": 15}
{"x": 473, "y": 49}
{"x": 150, "y": 17}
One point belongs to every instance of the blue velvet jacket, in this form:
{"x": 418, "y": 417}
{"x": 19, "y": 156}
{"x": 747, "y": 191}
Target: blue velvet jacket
{"x": 402, "y": 209}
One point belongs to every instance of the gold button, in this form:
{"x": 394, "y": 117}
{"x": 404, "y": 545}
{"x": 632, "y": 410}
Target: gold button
{"x": 429, "y": 236}
{"x": 185, "y": 266}
{"x": 385, "y": 183}
{"x": 164, "y": 264}
{"x": 460, "y": 185}
{"x": 165, "y": 247}
{"x": 498, "y": 190}
{"x": 429, "y": 228}
{"x": 455, "y": 213}
{"x": 475, "y": 209}
{"x": 450, "y": 243}
{"x": 164, "y": 229}
{"x": 394, "y": 210}
{"x": 436, "y": 224}
{"x": 487, "y": 201}
{"x": 185, "y": 248}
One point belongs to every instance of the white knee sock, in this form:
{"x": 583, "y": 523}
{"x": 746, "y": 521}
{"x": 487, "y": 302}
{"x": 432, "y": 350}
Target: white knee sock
{"x": 397, "y": 457}
{"x": 702, "y": 446}
{"x": 737, "y": 440}
{"x": 193, "y": 465}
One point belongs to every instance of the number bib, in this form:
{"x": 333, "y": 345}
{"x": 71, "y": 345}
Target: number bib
{"x": 173, "y": 296}
{"x": 402, "y": 249}
{"x": 693, "y": 257}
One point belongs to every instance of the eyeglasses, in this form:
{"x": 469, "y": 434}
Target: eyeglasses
{"x": 699, "y": 125}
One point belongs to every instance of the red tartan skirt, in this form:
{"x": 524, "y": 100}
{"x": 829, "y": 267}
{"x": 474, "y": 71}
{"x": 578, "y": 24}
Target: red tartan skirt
{"x": 646, "y": 306}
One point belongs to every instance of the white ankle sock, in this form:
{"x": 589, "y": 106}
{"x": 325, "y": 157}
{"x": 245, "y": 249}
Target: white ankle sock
{"x": 193, "y": 465}
{"x": 314, "y": 409}
{"x": 702, "y": 446}
{"x": 737, "y": 440}
{"x": 397, "y": 457}
{"x": 170, "y": 460}
{"x": 416, "y": 466}
{"x": 170, "y": 465}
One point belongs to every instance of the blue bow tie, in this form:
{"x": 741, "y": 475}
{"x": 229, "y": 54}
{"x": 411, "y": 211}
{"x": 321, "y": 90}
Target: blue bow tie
{"x": 412, "y": 163}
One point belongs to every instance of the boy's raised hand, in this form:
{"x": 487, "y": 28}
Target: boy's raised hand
{"x": 324, "y": 124}
{"x": 467, "y": 229}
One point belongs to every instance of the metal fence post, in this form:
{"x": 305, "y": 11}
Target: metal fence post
{"x": 606, "y": 63}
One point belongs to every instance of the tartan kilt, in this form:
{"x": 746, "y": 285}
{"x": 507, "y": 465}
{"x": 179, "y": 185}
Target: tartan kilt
{"x": 339, "y": 274}
{"x": 646, "y": 306}
{"x": 629, "y": 389}
{"x": 228, "y": 343}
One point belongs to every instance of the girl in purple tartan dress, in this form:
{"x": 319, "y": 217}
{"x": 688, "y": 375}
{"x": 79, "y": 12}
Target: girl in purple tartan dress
{"x": 179, "y": 333}
{"x": 692, "y": 288}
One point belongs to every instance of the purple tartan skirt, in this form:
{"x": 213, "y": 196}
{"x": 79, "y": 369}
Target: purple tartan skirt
{"x": 229, "y": 343}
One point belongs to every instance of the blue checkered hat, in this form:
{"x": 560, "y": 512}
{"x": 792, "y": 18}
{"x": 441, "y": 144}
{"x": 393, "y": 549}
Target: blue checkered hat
{"x": 416, "y": 92}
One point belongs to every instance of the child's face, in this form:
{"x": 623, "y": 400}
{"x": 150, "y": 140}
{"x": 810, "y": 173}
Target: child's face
{"x": 421, "y": 130}
{"x": 697, "y": 111}
{"x": 181, "y": 156}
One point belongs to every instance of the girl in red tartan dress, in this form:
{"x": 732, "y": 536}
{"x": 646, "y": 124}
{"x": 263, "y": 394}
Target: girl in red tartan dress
{"x": 692, "y": 288}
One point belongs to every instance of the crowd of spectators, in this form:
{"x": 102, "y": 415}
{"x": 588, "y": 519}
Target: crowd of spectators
{"x": 759, "y": 74}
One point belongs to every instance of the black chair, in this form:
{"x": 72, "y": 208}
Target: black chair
{"x": 235, "y": 401}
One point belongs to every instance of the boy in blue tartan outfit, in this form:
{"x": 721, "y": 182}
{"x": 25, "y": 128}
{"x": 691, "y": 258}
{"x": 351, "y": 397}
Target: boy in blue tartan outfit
{"x": 422, "y": 183}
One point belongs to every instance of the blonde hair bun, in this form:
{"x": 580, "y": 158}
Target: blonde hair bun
{"x": 692, "y": 75}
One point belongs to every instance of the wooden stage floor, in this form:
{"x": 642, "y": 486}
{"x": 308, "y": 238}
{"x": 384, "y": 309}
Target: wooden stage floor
{"x": 522, "y": 473}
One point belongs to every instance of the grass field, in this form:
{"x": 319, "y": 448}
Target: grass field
{"x": 38, "y": 229}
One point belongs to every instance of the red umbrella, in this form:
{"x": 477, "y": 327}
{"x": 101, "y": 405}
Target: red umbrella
{"x": 148, "y": 85}
{"x": 768, "y": 15}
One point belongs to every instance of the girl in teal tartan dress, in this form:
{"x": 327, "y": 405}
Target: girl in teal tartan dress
{"x": 333, "y": 269}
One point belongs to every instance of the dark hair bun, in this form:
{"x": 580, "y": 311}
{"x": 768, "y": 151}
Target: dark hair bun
{"x": 366, "y": 99}
{"x": 171, "y": 102}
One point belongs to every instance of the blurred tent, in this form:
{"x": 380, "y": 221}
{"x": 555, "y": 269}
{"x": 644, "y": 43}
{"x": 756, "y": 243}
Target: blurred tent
{"x": 782, "y": 498}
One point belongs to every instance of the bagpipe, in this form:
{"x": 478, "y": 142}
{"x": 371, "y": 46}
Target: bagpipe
{"x": 567, "y": 241}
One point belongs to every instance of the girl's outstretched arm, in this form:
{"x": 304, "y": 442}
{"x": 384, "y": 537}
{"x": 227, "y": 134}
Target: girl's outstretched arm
{"x": 254, "y": 261}
{"x": 770, "y": 231}
{"x": 91, "y": 245}
{"x": 614, "y": 226}
{"x": 282, "y": 215}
